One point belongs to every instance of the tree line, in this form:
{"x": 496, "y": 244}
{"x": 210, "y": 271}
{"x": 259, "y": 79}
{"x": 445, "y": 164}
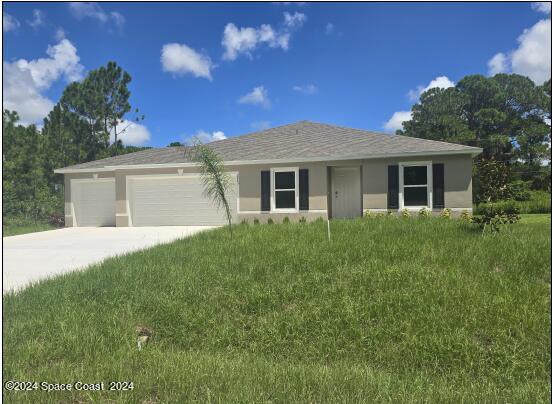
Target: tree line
{"x": 85, "y": 125}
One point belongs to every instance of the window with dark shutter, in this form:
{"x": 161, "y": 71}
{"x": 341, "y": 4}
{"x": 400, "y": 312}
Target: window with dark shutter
{"x": 439, "y": 186}
{"x": 393, "y": 187}
{"x": 304, "y": 189}
{"x": 265, "y": 191}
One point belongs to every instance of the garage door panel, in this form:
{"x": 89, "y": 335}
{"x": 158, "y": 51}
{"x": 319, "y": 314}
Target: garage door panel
{"x": 93, "y": 202}
{"x": 165, "y": 201}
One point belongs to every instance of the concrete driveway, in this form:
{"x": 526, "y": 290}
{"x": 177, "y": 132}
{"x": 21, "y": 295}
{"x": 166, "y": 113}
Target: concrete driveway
{"x": 34, "y": 256}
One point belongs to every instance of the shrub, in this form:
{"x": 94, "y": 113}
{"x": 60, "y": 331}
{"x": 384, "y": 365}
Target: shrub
{"x": 491, "y": 180}
{"x": 446, "y": 213}
{"x": 286, "y": 220}
{"x": 56, "y": 220}
{"x": 405, "y": 213}
{"x": 256, "y": 221}
{"x": 539, "y": 202}
{"x": 465, "y": 215}
{"x": 302, "y": 219}
{"x": 493, "y": 216}
{"x": 270, "y": 221}
{"x": 519, "y": 190}
{"x": 244, "y": 222}
{"x": 368, "y": 214}
{"x": 390, "y": 213}
{"x": 380, "y": 214}
{"x": 424, "y": 213}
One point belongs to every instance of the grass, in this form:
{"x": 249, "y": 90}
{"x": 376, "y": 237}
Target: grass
{"x": 15, "y": 225}
{"x": 389, "y": 310}
{"x": 539, "y": 202}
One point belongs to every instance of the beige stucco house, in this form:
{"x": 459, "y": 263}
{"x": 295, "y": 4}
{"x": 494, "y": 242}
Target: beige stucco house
{"x": 304, "y": 169}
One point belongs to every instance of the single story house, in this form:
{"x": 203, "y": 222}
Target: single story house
{"x": 304, "y": 169}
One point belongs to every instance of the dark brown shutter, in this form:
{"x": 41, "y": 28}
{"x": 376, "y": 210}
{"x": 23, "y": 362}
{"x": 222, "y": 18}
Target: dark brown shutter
{"x": 303, "y": 189}
{"x": 439, "y": 186}
{"x": 265, "y": 191}
{"x": 393, "y": 187}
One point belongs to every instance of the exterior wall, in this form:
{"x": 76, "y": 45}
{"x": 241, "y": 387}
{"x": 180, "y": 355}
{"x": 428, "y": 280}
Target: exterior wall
{"x": 68, "y": 205}
{"x": 458, "y": 180}
{"x": 458, "y": 186}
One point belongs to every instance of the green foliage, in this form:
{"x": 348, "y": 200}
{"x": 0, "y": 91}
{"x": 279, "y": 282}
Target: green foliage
{"x": 286, "y": 220}
{"x": 388, "y": 311}
{"x": 538, "y": 202}
{"x": 175, "y": 144}
{"x": 302, "y": 219}
{"x": 493, "y": 216}
{"x": 446, "y": 213}
{"x": 505, "y": 115}
{"x": 216, "y": 181}
{"x": 520, "y": 190}
{"x": 256, "y": 221}
{"x": 491, "y": 180}
{"x": 424, "y": 213}
{"x": 405, "y": 213}
{"x": 465, "y": 216}
{"x": 270, "y": 221}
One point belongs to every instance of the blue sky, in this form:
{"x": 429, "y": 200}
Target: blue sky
{"x": 358, "y": 64}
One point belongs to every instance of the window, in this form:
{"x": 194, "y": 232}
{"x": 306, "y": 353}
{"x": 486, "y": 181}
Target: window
{"x": 415, "y": 189}
{"x": 284, "y": 189}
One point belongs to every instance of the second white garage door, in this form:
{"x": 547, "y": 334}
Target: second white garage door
{"x": 174, "y": 201}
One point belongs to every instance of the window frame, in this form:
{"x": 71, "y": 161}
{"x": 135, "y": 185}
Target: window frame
{"x": 428, "y": 185}
{"x": 273, "y": 189}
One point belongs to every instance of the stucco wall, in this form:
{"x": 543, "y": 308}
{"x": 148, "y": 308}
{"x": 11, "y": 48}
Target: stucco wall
{"x": 458, "y": 180}
{"x": 458, "y": 186}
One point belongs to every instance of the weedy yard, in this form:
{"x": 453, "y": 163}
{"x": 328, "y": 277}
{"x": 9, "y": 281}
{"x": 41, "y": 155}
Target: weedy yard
{"x": 389, "y": 310}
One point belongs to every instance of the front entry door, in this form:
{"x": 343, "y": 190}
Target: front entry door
{"x": 346, "y": 192}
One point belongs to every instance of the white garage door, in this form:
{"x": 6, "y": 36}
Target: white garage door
{"x": 173, "y": 201}
{"x": 93, "y": 201}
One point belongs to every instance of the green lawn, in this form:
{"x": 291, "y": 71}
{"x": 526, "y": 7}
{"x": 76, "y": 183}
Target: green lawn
{"x": 389, "y": 310}
{"x": 14, "y": 229}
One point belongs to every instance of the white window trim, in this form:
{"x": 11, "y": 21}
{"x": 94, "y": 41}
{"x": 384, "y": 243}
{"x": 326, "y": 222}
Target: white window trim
{"x": 273, "y": 172}
{"x": 429, "y": 166}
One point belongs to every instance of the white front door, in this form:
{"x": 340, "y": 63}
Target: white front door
{"x": 346, "y": 192}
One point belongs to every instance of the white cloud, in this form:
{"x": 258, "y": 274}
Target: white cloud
{"x": 260, "y": 125}
{"x": 258, "y": 96}
{"x": 330, "y": 28}
{"x": 9, "y": 23}
{"x": 438, "y": 82}
{"x": 306, "y": 89}
{"x": 81, "y": 10}
{"x": 60, "y": 34}
{"x": 204, "y": 137}
{"x": 243, "y": 41}
{"x": 397, "y": 120}
{"x": 498, "y": 64}
{"x": 541, "y": 6}
{"x": 134, "y": 134}
{"x": 532, "y": 56}
{"x": 181, "y": 59}
{"x": 38, "y": 19}
{"x": 295, "y": 20}
{"x": 24, "y": 80}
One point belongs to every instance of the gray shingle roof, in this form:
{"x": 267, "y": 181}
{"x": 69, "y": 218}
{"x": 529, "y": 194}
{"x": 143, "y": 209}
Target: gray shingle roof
{"x": 301, "y": 140}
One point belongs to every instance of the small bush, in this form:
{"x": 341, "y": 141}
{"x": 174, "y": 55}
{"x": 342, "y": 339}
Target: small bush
{"x": 302, "y": 219}
{"x": 390, "y": 213}
{"x": 244, "y": 222}
{"x": 520, "y": 190}
{"x": 256, "y": 221}
{"x": 465, "y": 215}
{"x": 56, "y": 220}
{"x": 368, "y": 214}
{"x": 424, "y": 213}
{"x": 446, "y": 213}
{"x": 286, "y": 220}
{"x": 270, "y": 221}
{"x": 493, "y": 216}
{"x": 380, "y": 214}
{"x": 405, "y": 213}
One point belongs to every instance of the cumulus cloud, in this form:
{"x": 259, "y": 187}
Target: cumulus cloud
{"x": 258, "y": 96}
{"x": 38, "y": 19}
{"x": 243, "y": 41}
{"x": 532, "y": 56}
{"x": 9, "y": 22}
{"x": 25, "y": 80}
{"x": 397, "y": 120}
{"x": 306, "y": 89}
{"x": 204, "y": 137}
{"x": 181, "y": 59}
{"x": 438, "y": 82}
{"x": 541, "y": 6}
{"x": 82, "y": 10}
{"x": 134, "y": 134}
